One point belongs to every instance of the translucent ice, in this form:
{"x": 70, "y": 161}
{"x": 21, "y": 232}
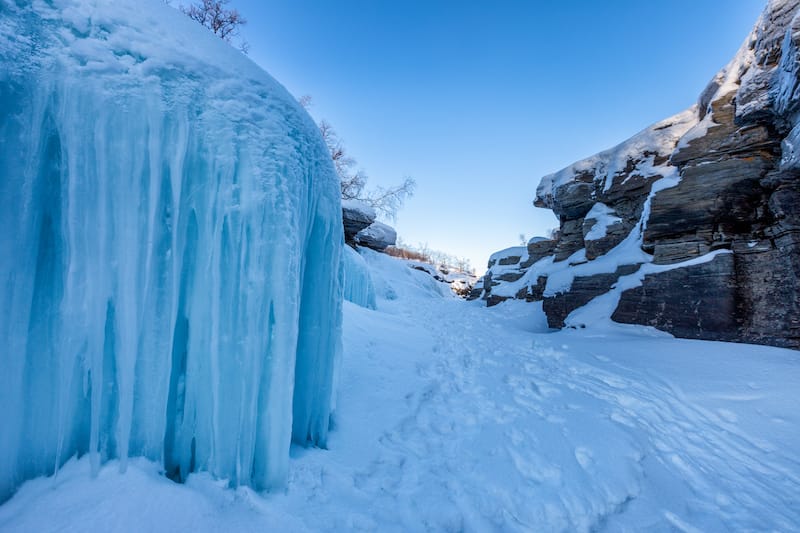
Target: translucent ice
{"x": 358, "y": 287}
{"x": 170, "y": 245}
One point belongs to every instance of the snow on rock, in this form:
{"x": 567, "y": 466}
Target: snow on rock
{"x": 509, "y": 270}
{"x": 642, "y": 155}
{"x": 508, "y": 256}
{"x": 786, "y": 93}
{"x": 359, "y": 207}
{"x": 461, "y": 283}
{"x": 377, "y": 236}
{"x": 603, "y": 217}
{"x": 721, "y": 175}
{"x": 600, "y": 309}
{"x": 356, "y": 216}
{"x": 171, "y": 233}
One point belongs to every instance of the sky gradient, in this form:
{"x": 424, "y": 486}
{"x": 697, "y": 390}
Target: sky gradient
{"x": 478, "y": 100}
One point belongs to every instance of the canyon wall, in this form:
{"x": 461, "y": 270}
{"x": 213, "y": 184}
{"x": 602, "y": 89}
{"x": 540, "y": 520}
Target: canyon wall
{"x": 691, "y": 226}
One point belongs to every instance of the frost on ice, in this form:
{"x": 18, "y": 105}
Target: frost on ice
{"x": 170, "y": 244}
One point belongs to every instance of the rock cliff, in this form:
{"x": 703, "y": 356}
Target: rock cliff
{"x": 691, "y": 226}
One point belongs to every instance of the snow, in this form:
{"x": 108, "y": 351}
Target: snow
{"x": 600, "y": 309}
{"x": 534, "y": 240}
{"x": 396, "y": 279}
{"x": 729, "y": 79}
{"x": 513, "y": 251}
{"x": 628, "y": 252}
{"x": 461, "y": 283}
{"x": 452, "y": 416}
{"x": 361, "y": 207}
{"x": 786, "y": 86}
{"x": 604, "y": 217}
{"x": 171, "y": 233}
{"x": 193, "y": 323}
{"x": 786, "y": 92}
{"x": 738, "y": 71}
{"x": 790, "y": 150}
{"x": 660, "y": 138}
{"x": 561, "y": 274}
{"x": 377, "y": 233}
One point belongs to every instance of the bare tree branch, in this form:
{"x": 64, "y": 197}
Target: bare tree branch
{"x": 386, "y": 201}
{"x": 214, "y": 15}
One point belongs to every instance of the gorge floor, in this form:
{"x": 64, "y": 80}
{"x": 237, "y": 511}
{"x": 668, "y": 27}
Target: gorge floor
{"x": 454, "y": 417}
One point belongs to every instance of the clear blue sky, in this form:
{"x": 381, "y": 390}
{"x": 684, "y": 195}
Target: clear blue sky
{"x": 477, "y": 100}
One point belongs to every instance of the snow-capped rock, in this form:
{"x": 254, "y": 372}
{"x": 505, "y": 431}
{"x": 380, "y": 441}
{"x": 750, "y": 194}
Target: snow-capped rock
{"x": 356, "y": 216}
{"x": 719, "y": 177}
{"x": 377, "y": 236}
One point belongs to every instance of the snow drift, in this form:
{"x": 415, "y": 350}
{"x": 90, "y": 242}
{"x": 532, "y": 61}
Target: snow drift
{"x": 170, "y": 244}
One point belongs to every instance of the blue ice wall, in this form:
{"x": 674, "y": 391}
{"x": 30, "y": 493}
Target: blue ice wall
{"x": 358, "y": 287}
{"x": 170, "y": 243}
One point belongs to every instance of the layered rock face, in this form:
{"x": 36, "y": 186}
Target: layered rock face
{"x": 693, "y": 225}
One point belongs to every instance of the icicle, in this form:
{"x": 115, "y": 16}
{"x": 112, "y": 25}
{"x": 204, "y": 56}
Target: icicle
{"x": 173, "y": 238}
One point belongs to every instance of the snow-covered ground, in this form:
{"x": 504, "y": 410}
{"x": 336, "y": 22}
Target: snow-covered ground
{"x": 454, "y": 417}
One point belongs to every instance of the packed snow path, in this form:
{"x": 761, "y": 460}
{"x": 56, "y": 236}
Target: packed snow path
{"x": 454, "y": 417}
{"x": 504, "y": 429}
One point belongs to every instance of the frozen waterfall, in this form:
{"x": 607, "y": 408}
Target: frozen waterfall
{"x": 357, "y": 282}
{"x": 170, "y": 244}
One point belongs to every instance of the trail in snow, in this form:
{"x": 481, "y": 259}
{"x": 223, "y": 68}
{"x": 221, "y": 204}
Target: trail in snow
{"x": 507, "y": 428}
{"x": 454, "y": 417}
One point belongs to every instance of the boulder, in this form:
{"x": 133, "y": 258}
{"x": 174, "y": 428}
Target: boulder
{"x": 356, "y": 216}
{"x": 377, "y": 236}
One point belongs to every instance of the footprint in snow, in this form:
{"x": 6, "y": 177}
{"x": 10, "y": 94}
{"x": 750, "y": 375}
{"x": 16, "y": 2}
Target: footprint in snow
{"x": 584, "y": 457}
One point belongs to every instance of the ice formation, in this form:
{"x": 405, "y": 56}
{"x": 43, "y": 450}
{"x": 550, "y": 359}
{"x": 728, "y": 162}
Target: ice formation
{"x": 357, "y": 282}
{"x": 170, "y": 244}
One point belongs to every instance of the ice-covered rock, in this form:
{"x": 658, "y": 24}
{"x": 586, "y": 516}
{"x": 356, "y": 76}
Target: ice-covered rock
{"x": 170, "y": 240}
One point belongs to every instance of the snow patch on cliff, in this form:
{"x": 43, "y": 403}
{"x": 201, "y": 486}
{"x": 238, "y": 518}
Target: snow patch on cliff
{"x": 657, "y": 140}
